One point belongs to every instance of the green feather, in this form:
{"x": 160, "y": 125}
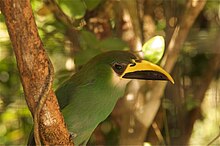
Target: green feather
{"x": 89, "y": 96}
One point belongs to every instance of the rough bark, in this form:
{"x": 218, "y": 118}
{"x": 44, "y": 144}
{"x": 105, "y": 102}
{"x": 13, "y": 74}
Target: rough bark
{"x": 36, "y": 72}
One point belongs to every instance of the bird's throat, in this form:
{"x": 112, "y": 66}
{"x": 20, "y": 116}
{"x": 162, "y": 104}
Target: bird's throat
{"x": 118, "y": 82}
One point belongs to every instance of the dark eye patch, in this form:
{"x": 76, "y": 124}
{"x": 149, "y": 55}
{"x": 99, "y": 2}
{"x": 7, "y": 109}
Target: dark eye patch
{"x": 119, "y": 68}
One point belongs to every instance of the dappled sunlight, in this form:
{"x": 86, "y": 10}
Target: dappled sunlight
{"x": 207, "y": 128}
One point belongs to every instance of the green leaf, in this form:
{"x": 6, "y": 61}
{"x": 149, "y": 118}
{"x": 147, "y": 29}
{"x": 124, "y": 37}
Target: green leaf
{"x": 113, "y": 43}
{"x": 88, "y": 40}
{"x": 153, "y": 49}
{"x": 90, "y": 47}
{"x": 85, "y": 55}
{"x": 92, "y": 4}
{"x": 73, "y": 8}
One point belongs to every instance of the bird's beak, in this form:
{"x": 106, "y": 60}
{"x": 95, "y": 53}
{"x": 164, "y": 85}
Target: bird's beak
{"x": 142, "y": 69}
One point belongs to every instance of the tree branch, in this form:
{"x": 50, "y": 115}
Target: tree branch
{"x": 36, "y": 73}
{"x": 72, "y": 25}
{"x": 61, "y": 16}
{"x": 169, "y": 60}
{"x": 132, "y": 7}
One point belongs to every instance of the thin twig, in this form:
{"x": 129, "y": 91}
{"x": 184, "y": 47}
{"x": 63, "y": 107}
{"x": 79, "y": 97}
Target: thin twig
{"x": 212, "y": 141}
{"x": 157, "y": 132}
{"x": 60, "y": 15}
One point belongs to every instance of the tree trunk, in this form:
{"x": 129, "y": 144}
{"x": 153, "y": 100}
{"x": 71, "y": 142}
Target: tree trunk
{"x": 36, "y": 73}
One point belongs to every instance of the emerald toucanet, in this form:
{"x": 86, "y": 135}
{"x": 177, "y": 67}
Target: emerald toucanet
{"x": 89, "y": 96}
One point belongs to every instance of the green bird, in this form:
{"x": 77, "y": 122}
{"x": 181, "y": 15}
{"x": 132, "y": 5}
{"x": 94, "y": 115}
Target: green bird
{"x": 89, "y": 96}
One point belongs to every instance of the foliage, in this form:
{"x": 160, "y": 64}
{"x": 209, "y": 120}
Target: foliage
{"x": 153, "y": 49}
{"x": 77, "y": 8}
{"x": 91, "y": 46}
{"x": 15, "y": 118}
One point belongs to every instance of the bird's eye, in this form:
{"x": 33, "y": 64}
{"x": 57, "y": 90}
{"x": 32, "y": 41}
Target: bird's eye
{"x": 118, "y": 68}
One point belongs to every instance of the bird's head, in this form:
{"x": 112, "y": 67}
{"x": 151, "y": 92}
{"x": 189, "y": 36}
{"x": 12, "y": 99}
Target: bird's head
{"x": 123, "y": 66}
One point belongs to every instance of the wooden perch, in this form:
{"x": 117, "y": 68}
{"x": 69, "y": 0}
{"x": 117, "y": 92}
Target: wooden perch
{"x": 36, "y": 73}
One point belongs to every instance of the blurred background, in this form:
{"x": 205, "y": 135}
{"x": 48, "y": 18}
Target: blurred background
{"x": 151, "y": 112}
